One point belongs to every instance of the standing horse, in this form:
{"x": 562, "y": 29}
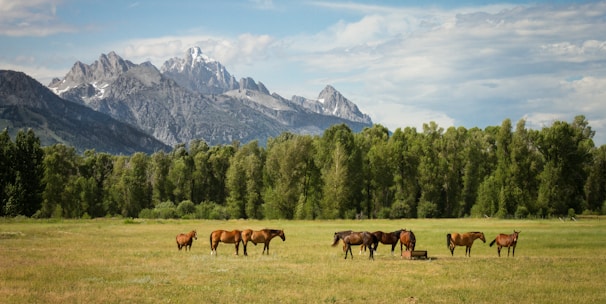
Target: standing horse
{"x": 228, "y": 237}
{"x": 185, "y": 240}
{"x": 355, "y": 238}
{"x": 506, "y": 240}
{"x": 262, "y": 236}
{"x": 408, "y": 239}
{"x": 465, "y": 239}
{"x": 387, "y": 238}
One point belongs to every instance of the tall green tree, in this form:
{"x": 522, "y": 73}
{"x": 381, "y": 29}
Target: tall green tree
{"x": 595, "y": 186}
{"x": 431, "y": 172}
{"x": 291, "y": 178}
{"x": 61, "y": 170}
{"x": 245, "y": 182}
{"x": 341, "y": 167}
{"x": 405, "y": 153}
{"x": 377, "y": 172}
{"x": 28, "y": 186}
{"x": 566, "y": 149}
{"x": 7, "y": 173}
{"x": 137, "y": 193}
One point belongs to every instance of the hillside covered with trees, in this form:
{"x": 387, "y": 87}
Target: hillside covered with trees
{"x": 501, "y": 171}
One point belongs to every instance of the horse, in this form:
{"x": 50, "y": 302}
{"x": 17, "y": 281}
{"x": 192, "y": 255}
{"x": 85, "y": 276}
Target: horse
{"x": 261, "y": 236}
{"x": 228, "y": 237}
{"x": 185, "y": 240}
{"x": 506, "y": 240}
{"x": 465, "y": 239}
{"x": 342, "y": 234}
{"x": 408, "y": 239}
{"x": 355, "y": 238}
{"x": 387, "y": 238}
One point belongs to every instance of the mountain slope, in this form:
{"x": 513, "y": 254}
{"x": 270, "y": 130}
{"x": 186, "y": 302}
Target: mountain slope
{"x": 25, "y": 103}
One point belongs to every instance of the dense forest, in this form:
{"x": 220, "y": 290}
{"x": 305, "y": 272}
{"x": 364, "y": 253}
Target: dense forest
{"x": 500, "y": 171}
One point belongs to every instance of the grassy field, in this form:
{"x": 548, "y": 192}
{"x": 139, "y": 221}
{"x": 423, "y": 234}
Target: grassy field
{"x": 137, "y": 261}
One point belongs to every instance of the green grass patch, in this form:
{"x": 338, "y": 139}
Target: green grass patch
{"x": 114, "y": 261}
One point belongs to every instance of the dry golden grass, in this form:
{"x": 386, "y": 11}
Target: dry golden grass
{"x": 137, "y": 261}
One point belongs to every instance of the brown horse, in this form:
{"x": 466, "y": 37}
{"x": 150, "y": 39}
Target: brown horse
{"x": 355, "y": 238}
{"x": 387, "y": 238}
{"x": 506, "y": 240}
{"x": 408, "y": 239}
{"x": 342, "y": 235}
{"x": 228, "y": 237}
{"x": 185, "y": 240}
{"x": 261, "y": 236}
{"x": 465, "y": 239}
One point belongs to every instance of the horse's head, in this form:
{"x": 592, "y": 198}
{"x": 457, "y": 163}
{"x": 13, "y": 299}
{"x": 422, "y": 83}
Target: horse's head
{"x": 515, "y": 235}
{"x": 336, "y": 239}
{"x": 282, "y": 235}
{"x": 482, "y": 237}
{"x": 195, "y": 234}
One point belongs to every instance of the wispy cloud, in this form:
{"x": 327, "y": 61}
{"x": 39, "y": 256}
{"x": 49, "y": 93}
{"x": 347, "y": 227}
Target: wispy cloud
{"x": 31, "y": 18}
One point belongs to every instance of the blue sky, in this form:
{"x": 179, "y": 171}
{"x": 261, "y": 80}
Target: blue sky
{"x": 405, "y": 63}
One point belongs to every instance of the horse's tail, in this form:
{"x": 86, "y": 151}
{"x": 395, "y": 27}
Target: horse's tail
{"x": 493, "y": 241}
{"x": 210, "y": 240}
{"x": 448, "y": 240}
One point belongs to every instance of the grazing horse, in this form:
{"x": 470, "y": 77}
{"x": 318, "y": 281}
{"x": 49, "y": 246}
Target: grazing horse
{"x": 387, "y": 238}
{"x": 506, "y": 240}
{"x": 261, "y": 236}
{"x": 185, "y": 240}
{"x": 228, "y": 237}
{"x": 355, "y": 238}
{"x": 342, "y": 235}
{"x": 408, "y": 239}
{"x": 465, "y": 239}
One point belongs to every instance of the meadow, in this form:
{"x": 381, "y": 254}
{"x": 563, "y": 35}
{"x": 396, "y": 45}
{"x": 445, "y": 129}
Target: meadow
{"x": 137, "y": 261}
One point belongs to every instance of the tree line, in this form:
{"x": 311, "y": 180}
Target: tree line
{"x": 499, "y": 171}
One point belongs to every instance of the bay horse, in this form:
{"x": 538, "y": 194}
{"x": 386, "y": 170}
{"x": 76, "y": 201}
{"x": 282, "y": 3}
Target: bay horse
{"x": 506, "y": 240}
{"x": 465, "y": 239}
{"x": 186, "y": 239}
{"x": 228, "y": 237}
{"x": 387, "y": 238}
{"x": 355, "y": 238}
{"x": 408, "y": 239}
{"x": 261, "y": 236}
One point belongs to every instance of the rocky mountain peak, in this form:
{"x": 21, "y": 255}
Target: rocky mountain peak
{"x": 199, "y": 73}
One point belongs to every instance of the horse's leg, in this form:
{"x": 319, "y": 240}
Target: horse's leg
{"x": 508, "y": 248}
{"x": 237, "y": 248}
{"x": 265, "y": 246}
{"x": 348, "y": 250}
{"x": 513, "y": 251}
{"x": 393, "y": 248}
{"x": 372, "y": 256}
{"x": 499, "y": 250}
{"x": 452, "y": 248}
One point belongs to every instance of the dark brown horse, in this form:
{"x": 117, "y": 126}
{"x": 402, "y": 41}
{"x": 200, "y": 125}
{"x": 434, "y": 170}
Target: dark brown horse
{"x": 465, "y": 239}
{"x": 355, "y": 238}
{"x": 185, "y": 240}
{"x": 506, "y": 240}
{"x": 387, "y": 238}
{"x": 228, "y": 237}
{"x": 261, "y": 236}
{"x": 408, "y": 239}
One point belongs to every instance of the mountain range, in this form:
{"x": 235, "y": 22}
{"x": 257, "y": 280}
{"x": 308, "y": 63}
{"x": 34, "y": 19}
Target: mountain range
{"x": 194, "y": 97}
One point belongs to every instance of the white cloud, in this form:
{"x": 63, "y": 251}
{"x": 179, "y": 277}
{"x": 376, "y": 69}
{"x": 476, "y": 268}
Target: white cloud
{"x": 31, "y": 18}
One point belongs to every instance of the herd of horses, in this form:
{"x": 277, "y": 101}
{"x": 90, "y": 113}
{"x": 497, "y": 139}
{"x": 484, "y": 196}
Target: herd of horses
{"x": 365, "y": 239}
